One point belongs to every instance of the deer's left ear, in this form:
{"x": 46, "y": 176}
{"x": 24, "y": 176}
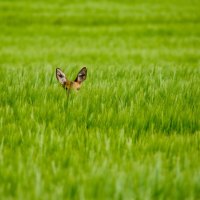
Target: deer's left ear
{"x": 61, "y": 77}
{"x": 82, "y": 75}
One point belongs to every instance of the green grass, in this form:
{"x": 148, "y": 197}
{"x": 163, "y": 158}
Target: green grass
{"x": 132, "y": 131}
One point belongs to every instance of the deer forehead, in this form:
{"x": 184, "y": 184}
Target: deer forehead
{"x": 76, "y": 85}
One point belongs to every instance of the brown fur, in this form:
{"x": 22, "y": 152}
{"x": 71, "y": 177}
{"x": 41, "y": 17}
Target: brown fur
{"x": 76, "y": 84}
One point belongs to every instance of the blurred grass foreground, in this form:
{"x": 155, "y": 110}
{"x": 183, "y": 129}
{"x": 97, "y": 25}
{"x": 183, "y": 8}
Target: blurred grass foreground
{"x": 132, "y": 131}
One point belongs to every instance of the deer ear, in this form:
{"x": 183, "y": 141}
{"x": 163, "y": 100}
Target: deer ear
{"x": 82, "y": 75}
{"x": 61, "y": 77}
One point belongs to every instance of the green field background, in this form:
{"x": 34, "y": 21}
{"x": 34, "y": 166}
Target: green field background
{"x": 132, "y": 131}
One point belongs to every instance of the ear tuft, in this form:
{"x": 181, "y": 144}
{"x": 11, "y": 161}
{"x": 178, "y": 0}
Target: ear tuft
{"x": 60, "y": 76}
{"x": 82, "y": 75}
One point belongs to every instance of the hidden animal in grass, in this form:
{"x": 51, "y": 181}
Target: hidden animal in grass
{"x": 67, "y": 84}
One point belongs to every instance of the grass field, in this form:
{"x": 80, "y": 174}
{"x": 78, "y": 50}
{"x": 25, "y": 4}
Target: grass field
{"x": 132, "y": 131}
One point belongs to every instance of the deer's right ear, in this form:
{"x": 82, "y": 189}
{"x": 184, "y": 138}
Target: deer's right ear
{"x": 61, "y": 77}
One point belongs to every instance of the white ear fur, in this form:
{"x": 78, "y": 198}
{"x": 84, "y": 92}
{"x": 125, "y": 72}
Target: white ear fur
{"x": 61, "y": 76}
{"x": 81, "y": 75}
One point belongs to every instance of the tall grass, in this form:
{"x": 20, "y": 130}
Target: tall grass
{"x": 131, "y": 132}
